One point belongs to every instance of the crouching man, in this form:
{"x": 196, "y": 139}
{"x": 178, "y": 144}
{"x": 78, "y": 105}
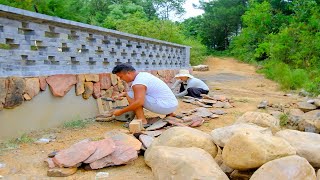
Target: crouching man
{"x": 147, "y": 91}
{"x": 189, "y": 85}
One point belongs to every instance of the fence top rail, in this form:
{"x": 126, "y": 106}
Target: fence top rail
{"x": 15, "y": 13}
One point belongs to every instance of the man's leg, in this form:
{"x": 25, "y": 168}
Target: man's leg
{"x": 139, "y": 112}
{"x": 196, "y": 92}
{"x": 181, "y": 87}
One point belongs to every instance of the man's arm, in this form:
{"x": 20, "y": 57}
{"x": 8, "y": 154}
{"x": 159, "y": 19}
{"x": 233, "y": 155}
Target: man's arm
{"x": 178, "y": 82}
{"x": 138, "y": 100}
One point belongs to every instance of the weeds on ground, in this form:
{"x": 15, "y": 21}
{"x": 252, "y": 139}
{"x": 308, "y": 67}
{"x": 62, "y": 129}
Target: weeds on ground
{"x": 284, "y": 119}
{"x": 77, "y": 123}
{"x": 14, "y": 143}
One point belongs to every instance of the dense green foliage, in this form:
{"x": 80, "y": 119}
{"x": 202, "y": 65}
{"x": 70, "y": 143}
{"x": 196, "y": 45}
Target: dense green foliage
{"x": 285, "y": 39}
{"x": 141, "y": 17}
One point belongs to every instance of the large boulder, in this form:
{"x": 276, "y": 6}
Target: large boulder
{"x": 222, "y": 135}
{"x": 183, "y": 163}
{"x": 185, "y": 137}
{"x": 286, "y": 168}
{"x": 260, "y": 119}
{"x": 251, "y": 150}
{"x": 306, "y": 144}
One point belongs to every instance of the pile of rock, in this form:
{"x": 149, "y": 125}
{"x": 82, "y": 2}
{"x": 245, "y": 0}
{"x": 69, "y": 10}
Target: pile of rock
{"x": 253, "y": 147}
{"x": 15, "y": 90}
{"x": 303, "y": 116}
{"x": 115, "y": 149}
{"x": 209, "y": 101}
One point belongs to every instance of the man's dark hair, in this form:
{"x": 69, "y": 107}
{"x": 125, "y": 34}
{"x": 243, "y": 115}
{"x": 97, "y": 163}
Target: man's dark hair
{"x": 122, "y": 68}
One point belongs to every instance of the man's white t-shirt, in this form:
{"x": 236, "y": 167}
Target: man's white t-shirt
{"x": 157, "y": 90}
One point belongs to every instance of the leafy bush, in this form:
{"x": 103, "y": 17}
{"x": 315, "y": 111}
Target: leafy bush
{"x": 290, "y": 78}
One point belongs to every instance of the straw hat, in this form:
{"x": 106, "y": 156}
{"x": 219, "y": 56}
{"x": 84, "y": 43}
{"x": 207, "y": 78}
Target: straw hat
{"x": 184, "y": 73}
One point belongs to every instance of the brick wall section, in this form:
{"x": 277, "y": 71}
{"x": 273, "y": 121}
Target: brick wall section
{"x": 33, "y": 45}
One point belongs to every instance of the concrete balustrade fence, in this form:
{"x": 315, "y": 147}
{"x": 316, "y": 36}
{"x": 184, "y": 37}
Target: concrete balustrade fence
{"x": 33, "y": 44}
{"x": 74, "y": 60}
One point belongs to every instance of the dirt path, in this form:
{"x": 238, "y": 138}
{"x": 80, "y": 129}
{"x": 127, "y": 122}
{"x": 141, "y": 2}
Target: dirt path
{"x": 226, "y": 76}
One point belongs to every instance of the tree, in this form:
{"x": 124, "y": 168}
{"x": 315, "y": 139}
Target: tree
{"x": 165, "y": 7}
{"x": 221, "y": 21}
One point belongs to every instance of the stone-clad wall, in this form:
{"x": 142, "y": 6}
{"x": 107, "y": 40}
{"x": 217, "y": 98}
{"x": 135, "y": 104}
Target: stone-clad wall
{"x": 15, "y": 90}
{"x": 33, "y": 44}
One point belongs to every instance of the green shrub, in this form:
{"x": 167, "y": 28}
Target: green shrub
{"x": 287, "y": 77}
{"x": 284, "y": 120}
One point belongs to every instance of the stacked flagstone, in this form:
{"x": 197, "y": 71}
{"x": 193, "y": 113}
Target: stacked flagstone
{"x": 15, "y": 90}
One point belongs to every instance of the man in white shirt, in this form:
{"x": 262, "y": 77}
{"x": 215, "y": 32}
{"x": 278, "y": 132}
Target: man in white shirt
{"x": 189, "y": 85}
{"x": 148, "y": 92}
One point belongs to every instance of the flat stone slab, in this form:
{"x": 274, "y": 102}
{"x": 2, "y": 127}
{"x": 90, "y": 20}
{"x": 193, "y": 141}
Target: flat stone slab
{"x": 196, "y": 121}
{"x": 153, "y": 133}
{"x": 306, "y": 107}
{"x": 157, "y": 125}
{"x": 103, "y": 148}
{"x": 219, "y": 105}
{"x": 202, "y": 104}
{"x": 188, "y": 100}
{"x": 61, "y": 172}
{"x": 146, "y": 140}
{"x": 174, "y": 121}
{"x": 75, "y": 154}
{"x": 203, "y": 112}
{"x": 208, "y": 101}
{"x": 123, "y": 154}
{"x": 125, "y": 138}
{"x": 218, "y": 112}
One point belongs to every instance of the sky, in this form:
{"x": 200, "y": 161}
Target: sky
{"x": 190, "y": 11}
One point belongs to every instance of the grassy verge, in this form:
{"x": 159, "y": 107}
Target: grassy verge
{"x": 290, "y": 78}
{"x": 77, "y": 123}
{"x": 15, "y": 143}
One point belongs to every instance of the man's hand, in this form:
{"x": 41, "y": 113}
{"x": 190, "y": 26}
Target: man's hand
{"x": 117, "y": 112}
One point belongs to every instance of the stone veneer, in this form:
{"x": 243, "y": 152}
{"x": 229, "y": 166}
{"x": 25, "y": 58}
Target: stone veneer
{"x": 34, "y": 103}
{"x": 40, "y": 52}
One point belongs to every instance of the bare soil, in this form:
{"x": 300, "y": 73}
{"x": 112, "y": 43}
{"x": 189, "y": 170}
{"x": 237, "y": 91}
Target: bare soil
{"x": 228, "y": 77}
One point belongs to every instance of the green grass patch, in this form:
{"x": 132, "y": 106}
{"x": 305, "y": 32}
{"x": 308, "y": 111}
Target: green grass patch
{"x": 5, "y": 46}
{"x": 284, "y": 119}
{"x": 14, "y": 143}
{"x": 77, "y": 123}
{"x": 24, "y": 139}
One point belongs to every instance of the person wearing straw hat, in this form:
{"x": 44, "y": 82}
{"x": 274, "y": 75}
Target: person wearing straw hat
{"x": 147, "y": 91}
{"x": 189, "y": 85}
